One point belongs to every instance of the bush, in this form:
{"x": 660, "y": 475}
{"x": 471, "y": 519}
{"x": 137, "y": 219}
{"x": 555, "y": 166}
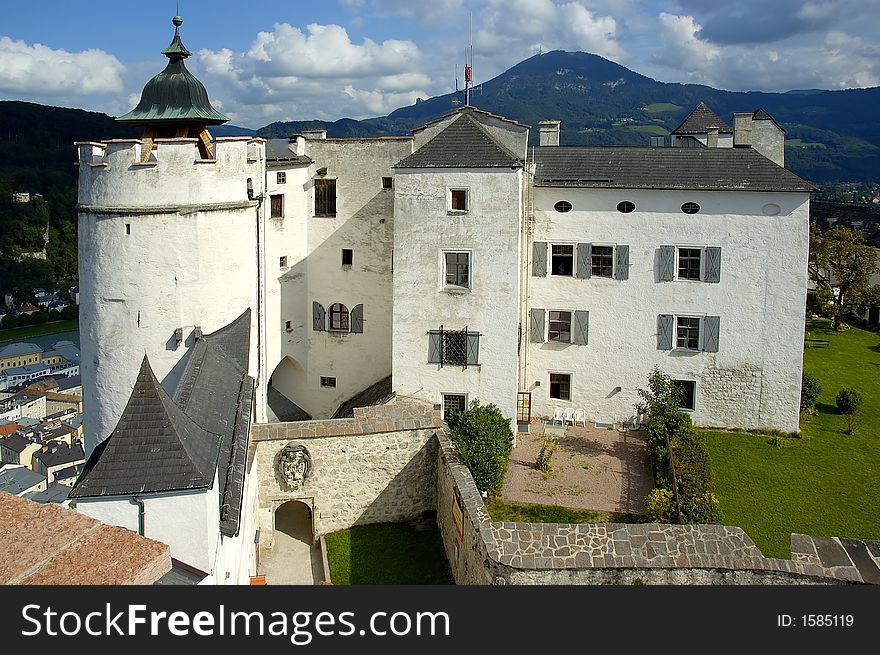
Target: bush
{"x": 548, "y": 445}
{"x": 9, "y": 321}
{"x": 70, "y": 312}
{"x": 695, "y": 484}
{"x": 810, "y": 391}
{"x": 660, "y": 506}
{"x": 484, "y": 440}
{"x": 848, "y": 401}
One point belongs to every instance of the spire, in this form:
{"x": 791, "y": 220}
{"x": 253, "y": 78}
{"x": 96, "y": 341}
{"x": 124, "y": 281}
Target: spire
{"x": 176, "y": 50}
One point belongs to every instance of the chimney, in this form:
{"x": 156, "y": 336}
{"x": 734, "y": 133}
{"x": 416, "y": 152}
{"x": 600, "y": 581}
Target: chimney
{"x": 742, "y": 129}
{"x": 767, "y": 137}
{"x": 314, "y": 135}
{"x": 297, "y": 143}
{"x": 549, "y": 133}
{"x": 712, "y": 137}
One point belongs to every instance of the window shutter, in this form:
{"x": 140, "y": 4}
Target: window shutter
{"x": 357, "y": 319}
{"x": 434, "y": 346}
{"x": 711, "y": 326}
{"x": 318, "y": 317}
{"x": 581, "y": 328}
{"x": 583, "y": 267}
{"x": 537, "y": 331}
{"x": 621, "y": 268}
{"x": 539, "y": 259}
{"x": 473, "y": 348}
{"x": 664, "y": 331}
{"x": 667, "y": 263}
{"x": 713, "y": 265}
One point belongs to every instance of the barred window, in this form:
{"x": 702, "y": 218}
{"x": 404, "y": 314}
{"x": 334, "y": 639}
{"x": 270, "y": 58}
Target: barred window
{"x": 455, "y": 347}
{"x": 453, "y": 402}
{"x": 602, "y": 261}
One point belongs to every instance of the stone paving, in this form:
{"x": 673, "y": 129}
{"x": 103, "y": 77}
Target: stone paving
{"x": 294, "y": 559}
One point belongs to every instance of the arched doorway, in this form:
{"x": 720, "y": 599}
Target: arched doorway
{"x": 281, "y": 393}
{"x": 294, "y": 558}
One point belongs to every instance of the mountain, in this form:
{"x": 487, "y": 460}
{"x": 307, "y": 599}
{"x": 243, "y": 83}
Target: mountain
{"x": 831, "y": 135}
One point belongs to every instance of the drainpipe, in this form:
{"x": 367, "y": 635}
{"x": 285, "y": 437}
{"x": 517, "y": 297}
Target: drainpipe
{"x": 141, "y": 514}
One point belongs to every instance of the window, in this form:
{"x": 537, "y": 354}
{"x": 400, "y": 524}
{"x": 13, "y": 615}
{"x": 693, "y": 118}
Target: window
{"x": 563, "y": 206}
{"x": 456, "y": 347}
{"x": 281, "y": 177}
{"x": 562, "y": 261}
{"x": 386, "y": 183}
{"x": 277, "y": 209}
{"x": 625, "y": 207}
{"x": 602, "y": 261}
{"x": 338, "y": 317}
{"x": 347, "y": 256}
{"x": 453, "y": 402}
{"x": 687, "y": 333}
{"x": 325, "y": 197}
{"x": 690, "y": 208}
{"x": 458, "y": 200}
{"x": 559, "y": 327}
{"x": 687, "y": 393}
{"x": 287, "y": 326}
{"x": 458, "y": 269}
{"x": 282, "y": 262}
{"x": 689, "y": 263}
{"x": 560, "y": 386}
{"x": 128, "y": 228}
{"x": 328, "y": 382}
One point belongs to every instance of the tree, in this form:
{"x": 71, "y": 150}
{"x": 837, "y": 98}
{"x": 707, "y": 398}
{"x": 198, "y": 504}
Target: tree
{"x": 841, "y": 265}
{"x": 484, "y": 440}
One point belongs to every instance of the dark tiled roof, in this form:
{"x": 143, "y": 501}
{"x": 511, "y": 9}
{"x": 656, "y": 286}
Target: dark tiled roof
{"x": 464, "y": 143}
{"x": 15, "y": 442}
{"x": 700, "y": 120}
{"x": 154, "y": 447}
{"x": 55, "y": 493}
{"x": 473, "y": 111}
{"x": 377, "y": 394}
{"x": 69, "y": 472}
{"x": 864, "y": 218}
{"x": 710, "y": 169}
{"x": 278, "y": 152}
{"x": 181, "y": 574}
{"x": 15, "y": 480}
{"x": 282, "y": 409}
{"x": 55, "y": 453}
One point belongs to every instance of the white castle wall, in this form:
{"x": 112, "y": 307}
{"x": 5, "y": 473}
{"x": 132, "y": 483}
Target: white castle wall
{"x": 164, "y": 245}
{"x": 754, "y": 379}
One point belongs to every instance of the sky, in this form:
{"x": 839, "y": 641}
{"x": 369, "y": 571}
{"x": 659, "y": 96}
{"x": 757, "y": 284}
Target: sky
{"x": 329, "y": 59}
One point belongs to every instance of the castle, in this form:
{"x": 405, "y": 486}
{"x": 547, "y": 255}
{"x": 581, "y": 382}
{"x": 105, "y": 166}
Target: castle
{"x": 232, "y": 282}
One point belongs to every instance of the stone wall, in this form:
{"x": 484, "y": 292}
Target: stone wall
{"x": 733, "y": 396}
{"x": 482, "y": 551}
{"x": 376, "y": 467}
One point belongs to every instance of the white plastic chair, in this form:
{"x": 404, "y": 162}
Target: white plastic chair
{"x": 580, "y": 416}
{"x": 568, "y": 416}
{"x": 559, "y": 415}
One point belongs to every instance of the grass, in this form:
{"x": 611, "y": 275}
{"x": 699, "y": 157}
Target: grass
{"x": 659, "y": 107}
{"x": 526, "y": 513}
{"x": 798, "y": 143}
{"x": 387, "y": 553}
{"x": 19, "y": 333}
{"x": 826, "y": 482}
{"x": 653, "y": 130}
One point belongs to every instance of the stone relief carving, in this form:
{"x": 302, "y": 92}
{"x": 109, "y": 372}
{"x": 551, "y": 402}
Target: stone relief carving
{"x": 294, "y": 465}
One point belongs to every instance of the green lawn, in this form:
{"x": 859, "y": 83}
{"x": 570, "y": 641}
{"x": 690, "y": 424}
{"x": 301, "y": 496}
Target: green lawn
{"x": 798, "y": 143}
{"x": 826, "y": 483}
{"x": 19, "y": 333}
{"x": 387, "y": 553}
{"x": 653, "y": 130}
{"x": 659, "y": 107}
{"x": 500, "y": 510}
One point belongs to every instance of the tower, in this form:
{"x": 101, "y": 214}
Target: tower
{"x": 170, "y": 240}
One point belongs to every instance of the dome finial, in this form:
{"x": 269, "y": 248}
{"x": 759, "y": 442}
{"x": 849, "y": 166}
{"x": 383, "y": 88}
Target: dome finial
{"x": 177, "y": 21}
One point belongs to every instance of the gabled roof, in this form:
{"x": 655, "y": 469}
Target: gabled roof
{"x": 376, "y": 394}
{"x": 16, "y": 443}
{"x": 761, "y": 115}
{"x": 474, "y": 112}
{"x": 700, "y": 120}
{"x": 59, "y": 453}
{"x": 709, "y": 169}
{"x": 464, "y": 143}
{"x": 18, "y": 349}
{"x": 19, "y": 479}
{"x": 154, "y": 447}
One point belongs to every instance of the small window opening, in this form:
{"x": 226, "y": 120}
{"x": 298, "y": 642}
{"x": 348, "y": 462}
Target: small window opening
{"x": 562, "y": 206}
{"x": 347, "y": 256}
{"x": 625, "y": 207}
{"x": 459, "y": 200}
{"x": 128, "y": 228}
{"x": 281, "y": 177}
{"x": 387, "y": 183}
{"x": 328, "y": 382}
{"x": 282, "y": 262}
{"x": 690, "y": 208}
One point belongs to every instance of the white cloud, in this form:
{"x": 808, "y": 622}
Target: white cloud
{"x": 41, "y": 71}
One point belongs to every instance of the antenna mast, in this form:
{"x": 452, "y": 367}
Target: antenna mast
{"x": 468, "y": 68}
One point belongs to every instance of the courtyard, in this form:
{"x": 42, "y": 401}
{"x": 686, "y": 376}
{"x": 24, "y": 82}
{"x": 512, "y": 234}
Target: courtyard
{"x": 593, "y": 468}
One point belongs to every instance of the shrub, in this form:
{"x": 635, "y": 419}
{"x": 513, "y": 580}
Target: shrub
{"x": 848, "y": 401}
{"x": 810, "y": 391}
{"x": 9, "y": 321}
{"x": 548, "y": 445}
{"x": 484, "y": 440}
{"x": 695, "y": 484}
{"x": 660, "y": 506}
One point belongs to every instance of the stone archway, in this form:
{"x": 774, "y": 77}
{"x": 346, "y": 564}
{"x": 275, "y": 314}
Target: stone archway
{"x": 294, "y": 557}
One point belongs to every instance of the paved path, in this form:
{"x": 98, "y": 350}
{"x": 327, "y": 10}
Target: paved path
{"x": 294, "y": 560}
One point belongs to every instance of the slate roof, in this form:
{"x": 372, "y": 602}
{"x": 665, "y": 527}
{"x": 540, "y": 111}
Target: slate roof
{"x": 154, "y": 447}
{"x": 16, "y": 480}
{"x": 473, "y": 111}
{"x": 282, "y": 409}
{"x": 864, "y": 218}
{"x": 68, "y": 472}
{"x": 700, "y": 120}
{"x": 54, "y": 493}
{"x": 16, "y": 443}
{"x": 761, "y": 115}
{"x": 616, "y": 167}
{"x": 18, "y": 349}
{"x": 376, "y": 394}
{"x": 55, "y": 454}
{"x": 278, "y": 152}
{"x": 464, "y": 143}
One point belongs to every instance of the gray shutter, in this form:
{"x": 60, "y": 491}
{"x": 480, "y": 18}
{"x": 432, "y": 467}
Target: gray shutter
{"x": 664, "y": 331}
{"x": 581, "y": 328}
{"x": 318, "y": 317}
{"x": 711, "y": 326}
{"x": 357, "y": 319}
{"x": 621, "y": 268}
{"x": 473, "y": 348}
{"x": 539, "y": 259}
{"x": 434, "y": 346}
{"x": 712, "y": 272}
{"x": 583, "y": 265}
{"x": 537, "y": 331}
{"x": 667, "y": 263}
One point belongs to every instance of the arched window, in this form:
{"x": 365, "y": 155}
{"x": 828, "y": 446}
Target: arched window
{"x": 338, "y": 317}
{"x": 562, "y": 206}
{"x": 690, "y": 208}
{"x": 626, "y": 206}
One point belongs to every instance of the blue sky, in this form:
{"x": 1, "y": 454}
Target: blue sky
{"x": 297, "y": 60}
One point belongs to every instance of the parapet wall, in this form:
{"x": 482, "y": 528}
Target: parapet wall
{"x": 482, "y": 551}
{"x": 113, "y": 177}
